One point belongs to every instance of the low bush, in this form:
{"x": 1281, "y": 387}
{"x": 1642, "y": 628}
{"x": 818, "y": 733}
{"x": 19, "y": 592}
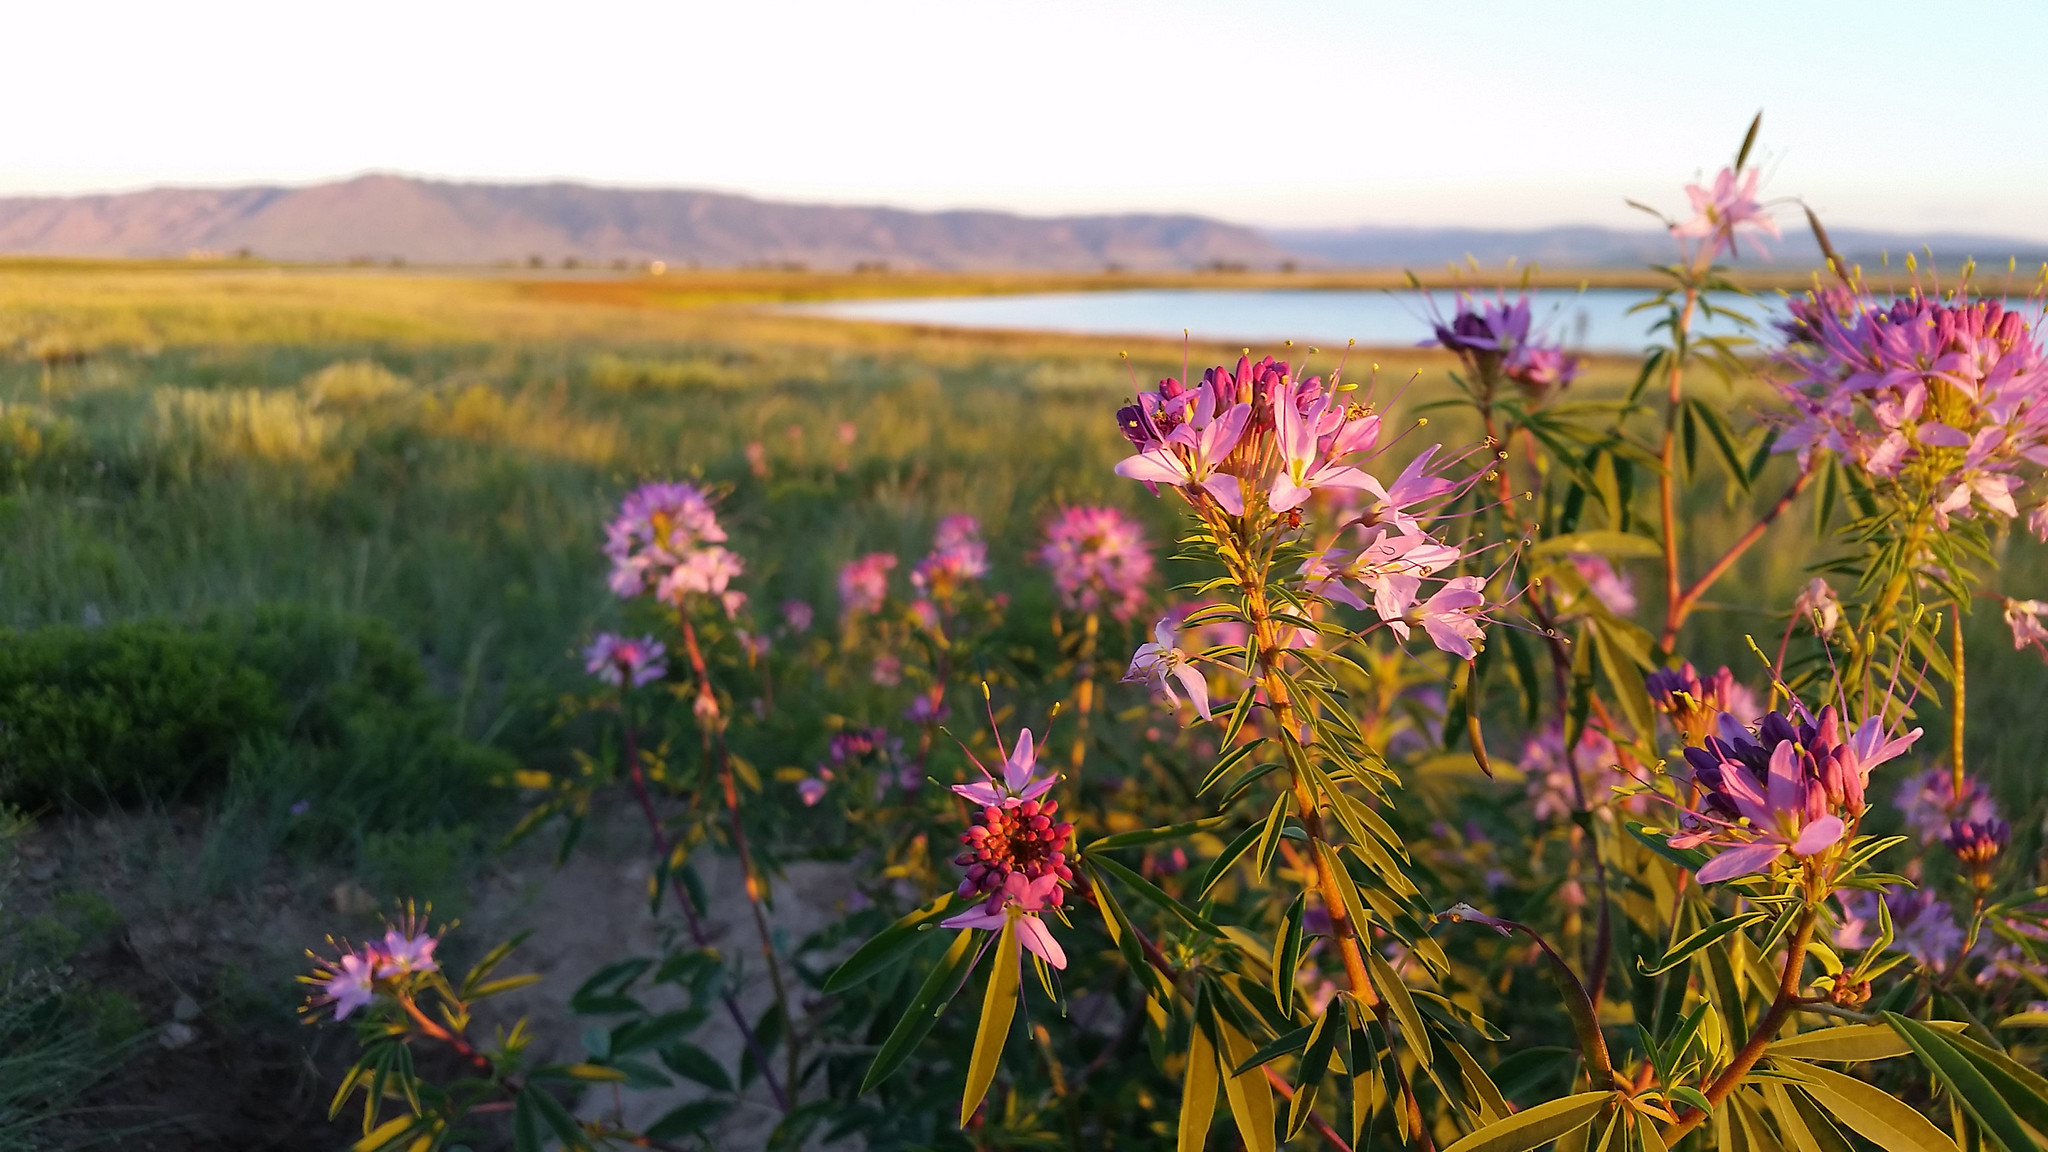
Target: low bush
{"x": 152, "y": 712}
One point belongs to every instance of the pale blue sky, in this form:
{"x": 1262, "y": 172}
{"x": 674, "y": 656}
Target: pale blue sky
{"x": 1912, "y": 116}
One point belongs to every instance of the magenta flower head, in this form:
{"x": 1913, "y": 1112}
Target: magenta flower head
{"x": 617, "y": 660}
{"x": 1945, "y": 401}
{"x": 1023, "y": 778}
{"x": 2024, "y": 618}
{"x": 1929, "y": 803}
{"x": 1976, "y": 844}
{"x": 663, "y": 529}
{"x": 1099, "y": 561}
{"x": 1496, "y": 341}
{"x": 1454, "y": 617}
{"x": 1616, "y": 590}
{"x": 406, "y": 952}
{"x": 864, "y": 583}
{"x": 1023, "y": 900}
{"x": 1695, "y": 704}
{"x": 1783, "y": 789}
{"x": 1723, "y": 207}
{"x": 347, "y": 982}
{"x": 1161, "y": 664}
{"x": 957, "y": 557}
{"x": 797, "y": 615}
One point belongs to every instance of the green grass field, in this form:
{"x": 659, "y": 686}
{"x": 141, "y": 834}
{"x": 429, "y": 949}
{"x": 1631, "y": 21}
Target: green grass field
{"x": 200, "y": 444}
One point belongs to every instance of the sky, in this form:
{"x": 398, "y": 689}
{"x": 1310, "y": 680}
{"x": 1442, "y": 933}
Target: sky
{"x": 1292, "y": 113}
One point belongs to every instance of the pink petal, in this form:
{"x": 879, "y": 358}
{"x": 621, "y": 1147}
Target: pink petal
{"x": 1818, "y": 836}
{"x": 1740, "y": 861}
{"x": 1033, "y": 934}
{"x": 1287, "y": 495}
{"x": 977, "y": 917}
{"x": 1227, "y": 492}
{"x": 984, "y": 793}
{"x": 1191, "y": 678}
{"x": 1158, "y": 466}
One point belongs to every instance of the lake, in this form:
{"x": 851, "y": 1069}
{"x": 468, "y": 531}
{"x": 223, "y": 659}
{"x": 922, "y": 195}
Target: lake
{"x": 1594, "y": 320}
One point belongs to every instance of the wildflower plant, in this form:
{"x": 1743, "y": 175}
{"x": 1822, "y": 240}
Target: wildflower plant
{"x": 1245, "y": 852}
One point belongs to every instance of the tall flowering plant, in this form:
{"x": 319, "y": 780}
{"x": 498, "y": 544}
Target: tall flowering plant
{"x": 1707, "y": 884}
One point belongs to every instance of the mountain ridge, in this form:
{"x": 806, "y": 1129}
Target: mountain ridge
{"x": 385, "y": 217}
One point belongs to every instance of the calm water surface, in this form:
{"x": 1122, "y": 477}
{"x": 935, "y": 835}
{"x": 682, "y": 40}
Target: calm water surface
{"x": 1596, "y": 320}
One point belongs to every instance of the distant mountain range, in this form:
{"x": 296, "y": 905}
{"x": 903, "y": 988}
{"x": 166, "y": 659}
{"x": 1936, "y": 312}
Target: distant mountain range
{"x": 385, "y": 217}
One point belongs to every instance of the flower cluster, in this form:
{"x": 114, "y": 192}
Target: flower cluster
{"x": 1015, "y": 852}
{"x": 1555, "y": 780}
{"x": 1721, "y": 208}
{"x": 1098, "y": 560}
{"x": 864, "y": 583}
{"x": 666, "y": 539}
{"x": 1390, "y": 565}
{"x": 1695, "y": 705}
{"x": 957, "y": 557}
{"x": 1929, "y": 803}
{"x": 1976, "y": 845}
{"x": 1785, "y": 788}
{"x": 619, "y": 660}
{"x": 1950, "y": 398}
{"x": 2024, "y": 618}
{"x": 350, "y": 980}
{"x": 1495, "y": 342}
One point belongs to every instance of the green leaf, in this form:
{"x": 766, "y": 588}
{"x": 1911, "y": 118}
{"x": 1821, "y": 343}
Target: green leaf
{"x": 1287, "y": 1045}
{"x": 584, "y": 1073}
{"x": 885, "y": 947}
{"x": 1536, "y": 1126}
{"x": 1681, "y": 951}
{"x": 1849, "y": 1043}
{"x": 687, "y": 1060}
{"x": 1118, "y": 924}
{"x": 1287, "y": 953}
{"x": 998, "y": 1008}
{"x": 1198, "y": 1089}
{"x": 1394, "y": 991}
{"x": 483, "y": 968}
{"x": 526, "y": 1124}
{"x": 2024, "y": 1089}
{"x": 1627, "y": 681}
{"x": 557, "y": 1118}
{"x": 653, "y": 1032}
{"x": 1269, "y": 835}
{"x": 1965, "y": 1082}
{"x": 1232, "y": 853}
{"x": 1228, "y": 761}
{"x": 1315, "y": 1061}
{"x": 1152, "y": 835}
{"x": 386, "y": 1134}
{"x": 1602, "y": 542}
{"x": 690, "y": 1118}
{"x": 1871, "y": 1112}
{"x": 1250, "y": 1096}
{"x": 923, "y": 1011}
{"x": 1155, "y": 894}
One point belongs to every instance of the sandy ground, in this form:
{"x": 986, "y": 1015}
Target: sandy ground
{"x": 223, "y": 1066}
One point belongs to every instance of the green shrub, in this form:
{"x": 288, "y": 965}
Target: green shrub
{"x": 123, "y": 714}
{"x": 293, "y": 703}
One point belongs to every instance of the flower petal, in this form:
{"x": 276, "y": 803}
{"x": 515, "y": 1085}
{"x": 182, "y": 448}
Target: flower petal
{"x": 1191, "y": 678}
{"x": 1033, "y": 934}
{"x": 1740, "y": 861}
{"x": 1819, "y": 836}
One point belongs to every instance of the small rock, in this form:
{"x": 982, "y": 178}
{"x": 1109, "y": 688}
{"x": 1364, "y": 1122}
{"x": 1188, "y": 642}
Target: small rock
{"x": 43, "y": 871}
{"x": 352, "y": 899}
{"x": 185, "y": 1010}
{"x": 176, "y": 1035}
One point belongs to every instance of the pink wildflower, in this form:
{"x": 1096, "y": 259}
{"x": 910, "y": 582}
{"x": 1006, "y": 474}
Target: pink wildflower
{"x": 1020, "y": 900}
{"x": 1818, "y": 607}
{"x": 864, "y": 583}
{"x": 661, "y": 527}
{"x": 406, "y": 953}
{"x": 1454, "y": 617}
{"x": 1616, "y": 590}
{"x": 350, "y": 982}
{"x": 811, "y": 789}
{"x": 1160, "y": 663}
{"x": 617, "y": 660}
{"x": 1098, "y": 560}
{"x": 1024, "y": 779}
{"x": 796, "y": 616}
{"x": 1928, "y": 801}
{"x": 2024, "y": 618}
{"x": 1730, "y": 203}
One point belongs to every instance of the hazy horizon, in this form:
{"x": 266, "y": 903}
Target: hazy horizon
{"x": 1298, "y": 114}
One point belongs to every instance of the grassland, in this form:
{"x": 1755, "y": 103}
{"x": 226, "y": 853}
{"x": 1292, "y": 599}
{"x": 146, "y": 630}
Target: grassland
{"x": 438, "y": 453}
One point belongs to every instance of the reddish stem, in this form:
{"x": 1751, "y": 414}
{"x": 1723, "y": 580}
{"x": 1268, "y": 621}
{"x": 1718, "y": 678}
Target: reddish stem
{"x": 1682, "y": 605}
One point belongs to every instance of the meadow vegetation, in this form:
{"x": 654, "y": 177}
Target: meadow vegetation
{"x": 299, "y": 563}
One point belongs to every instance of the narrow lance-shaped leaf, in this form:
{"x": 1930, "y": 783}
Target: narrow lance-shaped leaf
{"x": 923, "y": 1011}
{"x": 1198, "y": 1089}
{"x": 1874, "y": 1114}
{"x": 998, "y": 1008}
{"x": 1535, "y": 1126}
{"x": 1287, "y": 952}
{"x": 885, "y": 947}
{"x": 1965, "y": 1082}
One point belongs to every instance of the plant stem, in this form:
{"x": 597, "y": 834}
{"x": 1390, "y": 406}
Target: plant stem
{"x": 1667, "y": 480}
{"x": 713, "y": 725}
{"x": 690, "y": 918}
{"x": 1676, "y": 612}
{"x": 1760, "y": 1038}
{"x": 1955, "y": 719}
